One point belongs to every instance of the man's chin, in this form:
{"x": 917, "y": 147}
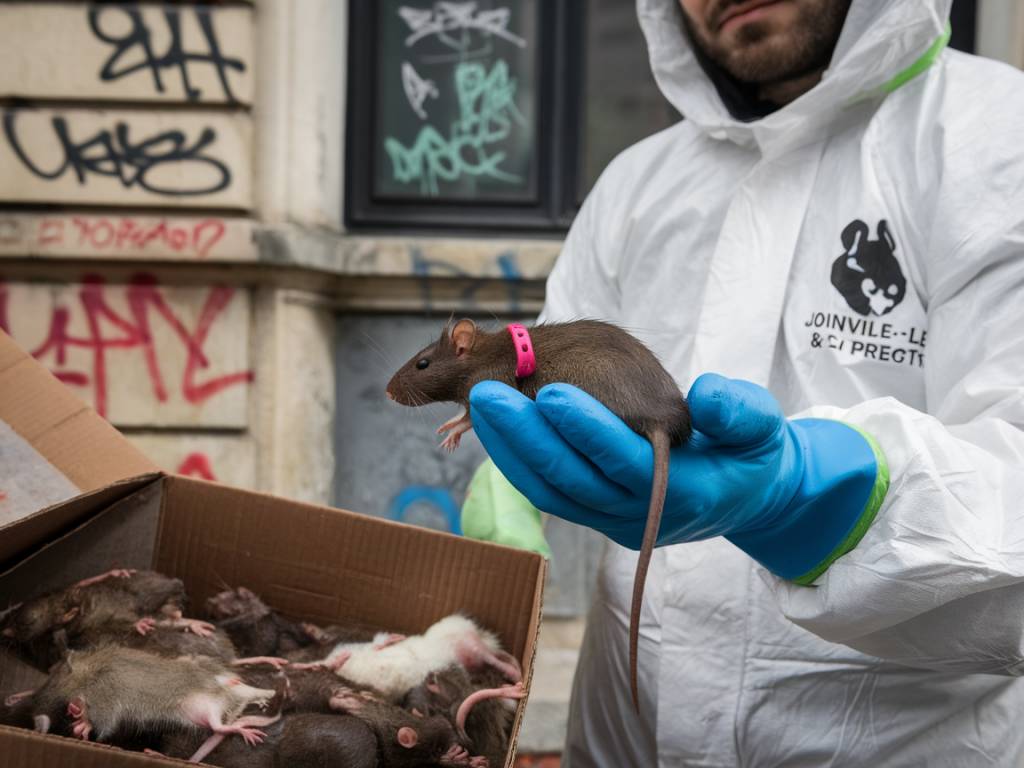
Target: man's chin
{"x": 760, "y": 55}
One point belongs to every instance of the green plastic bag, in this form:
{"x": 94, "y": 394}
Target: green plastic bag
{"x": 495, "y": 511}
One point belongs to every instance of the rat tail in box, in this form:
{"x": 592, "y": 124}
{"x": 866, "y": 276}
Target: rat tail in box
{"x": 659, "y": 485}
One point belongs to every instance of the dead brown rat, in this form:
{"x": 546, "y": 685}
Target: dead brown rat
{"x": 306, "y": 690}
{"x": 88, "y": 607}
{"x": 254, "y": 628}
{"x": 109, "y": 689}
{"x": 297, "y": 741}
{"x": 602, "y": 359}
{"x": 487, "y": 723}
{"x": 403, "y": 738}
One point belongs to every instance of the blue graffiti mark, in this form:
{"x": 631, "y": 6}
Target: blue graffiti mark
{"x": 487, "y": 111}
{"x": 439, "y": 498}
{"x": 425, "y": 269}
{"x": 512, "y": 276}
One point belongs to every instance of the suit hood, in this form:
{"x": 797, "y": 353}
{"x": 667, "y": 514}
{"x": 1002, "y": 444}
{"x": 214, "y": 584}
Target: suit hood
{"x": 881, "y": 44}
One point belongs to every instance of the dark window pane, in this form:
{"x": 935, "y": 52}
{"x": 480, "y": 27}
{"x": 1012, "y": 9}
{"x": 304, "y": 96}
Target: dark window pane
{"x": 456, "y": 101}
{"x": 963, "y": 18}
{"x": 622, "y": 101}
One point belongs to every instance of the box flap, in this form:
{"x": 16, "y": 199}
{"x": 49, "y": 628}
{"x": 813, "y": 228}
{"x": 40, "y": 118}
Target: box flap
{"x": 32, "y": 532}
{"x": 52, "y": 445}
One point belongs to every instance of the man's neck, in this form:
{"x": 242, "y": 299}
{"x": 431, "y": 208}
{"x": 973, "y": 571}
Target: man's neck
{"x": 785, "y": 91}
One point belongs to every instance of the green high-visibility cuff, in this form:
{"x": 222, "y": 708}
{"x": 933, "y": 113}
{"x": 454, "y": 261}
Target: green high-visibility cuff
{"x": 874, "y": 503}
{"x": 495, "y": 511}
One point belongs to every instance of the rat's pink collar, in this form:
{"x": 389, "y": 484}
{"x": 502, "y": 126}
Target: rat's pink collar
{"x": 526, "y": 362}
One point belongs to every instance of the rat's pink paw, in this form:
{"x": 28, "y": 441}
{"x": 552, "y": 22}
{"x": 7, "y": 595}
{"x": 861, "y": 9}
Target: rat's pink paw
{"x": 201, "y": 628}
{"x": 145, "y": 626}
{"x": 345, "y": 702}
{"x": 313, "y": 631}
{"x": 455, "y": 756}
{"x": 252, "y": 736}
{"x": 389, "y": 640}
{"x": 80, "y": 727}
{"x": 16, "y": 698}
{"x": 451, "y": 442}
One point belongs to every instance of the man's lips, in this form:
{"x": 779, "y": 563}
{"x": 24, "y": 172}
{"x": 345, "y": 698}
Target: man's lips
{"x": 741, "y": 9}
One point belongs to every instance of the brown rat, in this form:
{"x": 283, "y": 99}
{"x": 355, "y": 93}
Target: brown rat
{"x": 602, "y": 359}
{"x": 306, "y": 690}
{"x": 487, "y": 723}
{"x": 253, "y": 627}
{"x": 403, "y": 738}
{"x": 297, "y": 741}
{"x": 163, "y": 640}
{"x": 109, "y": 689}
{"x": 89, "y": 606}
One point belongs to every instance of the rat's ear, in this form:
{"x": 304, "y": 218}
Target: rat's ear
{"x": 69, "y": 614}
{"x": 407, "y": 737}
{"x": 463, "y": 335}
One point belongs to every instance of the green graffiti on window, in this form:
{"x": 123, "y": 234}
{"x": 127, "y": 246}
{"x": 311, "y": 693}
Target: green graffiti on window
{"x": 487, "y": 114}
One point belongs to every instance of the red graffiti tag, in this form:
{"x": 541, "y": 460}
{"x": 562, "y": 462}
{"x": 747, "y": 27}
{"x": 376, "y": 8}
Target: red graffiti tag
{"x": 108, "y": 330}
{"x": 196, "y": 464}
{"x": 129, "y": 234}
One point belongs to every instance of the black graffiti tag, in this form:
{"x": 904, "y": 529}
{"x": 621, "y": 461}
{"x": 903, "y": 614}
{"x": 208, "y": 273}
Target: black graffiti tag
{"x": 113, "y": 153}
{"x": 138, "y": 41}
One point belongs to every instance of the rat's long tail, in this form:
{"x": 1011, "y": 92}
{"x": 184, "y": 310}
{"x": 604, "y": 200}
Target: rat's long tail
{"x": 660, "y": 444}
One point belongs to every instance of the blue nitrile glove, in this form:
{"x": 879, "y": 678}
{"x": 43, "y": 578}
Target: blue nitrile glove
{"x": 793, "y": 494}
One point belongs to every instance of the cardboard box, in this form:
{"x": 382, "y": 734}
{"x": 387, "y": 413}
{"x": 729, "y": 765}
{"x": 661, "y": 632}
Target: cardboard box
{"x": 77, "y": 499}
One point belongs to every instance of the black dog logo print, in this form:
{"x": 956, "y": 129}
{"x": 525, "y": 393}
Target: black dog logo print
{"x": 867, "y": 274}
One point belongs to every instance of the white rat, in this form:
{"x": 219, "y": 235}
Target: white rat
{"x": 397, "y": 667}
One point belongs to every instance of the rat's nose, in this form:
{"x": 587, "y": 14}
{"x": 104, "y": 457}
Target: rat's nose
{"x": 388, "y": 393}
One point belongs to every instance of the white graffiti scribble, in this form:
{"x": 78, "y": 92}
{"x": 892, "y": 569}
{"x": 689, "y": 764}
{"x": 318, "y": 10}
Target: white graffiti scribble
{"x": 417, "y": 89}
{"x": 448, "y": 17}
{"x": 474, "y": 148}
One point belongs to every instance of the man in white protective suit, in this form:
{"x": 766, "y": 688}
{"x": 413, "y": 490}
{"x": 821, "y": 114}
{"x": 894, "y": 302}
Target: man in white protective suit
{"x": 835, "y": 232}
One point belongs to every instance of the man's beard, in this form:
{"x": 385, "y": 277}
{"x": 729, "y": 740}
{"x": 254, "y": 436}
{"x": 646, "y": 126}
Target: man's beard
{"x": 762, "y": 53}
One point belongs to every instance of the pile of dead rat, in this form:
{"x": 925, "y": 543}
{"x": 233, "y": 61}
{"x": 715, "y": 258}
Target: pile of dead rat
{"x": 246, "y": 686}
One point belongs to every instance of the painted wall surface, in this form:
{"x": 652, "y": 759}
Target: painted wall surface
{"x": 113, "y": 112}
{"x": 168, "y": 53}
{"x": 141, "y": 354}
{"x": 388, "y": 463}
{"x": 126, "y": 236}
{"x": 126, "y": 157}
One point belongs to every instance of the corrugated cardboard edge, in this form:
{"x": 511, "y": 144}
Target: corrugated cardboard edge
{"x": 534, "y": 634}
{"x": 20, "y": 539}
{"x": 25, "y": 747}
{"x": 65, "y": 431}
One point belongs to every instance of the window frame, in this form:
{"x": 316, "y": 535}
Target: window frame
{"x": 560, "y": 94}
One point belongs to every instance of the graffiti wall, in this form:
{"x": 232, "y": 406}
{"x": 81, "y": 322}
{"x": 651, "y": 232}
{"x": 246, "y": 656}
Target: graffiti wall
{"x": 126, "y": 133}
{"x": 139, "y": 81}
{"x": 140, "y": 354}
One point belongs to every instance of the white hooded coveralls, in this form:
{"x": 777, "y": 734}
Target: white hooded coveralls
{"x": 757, "y": 250}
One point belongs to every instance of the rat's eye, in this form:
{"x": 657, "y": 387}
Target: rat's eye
{"x": 422, "y": 363}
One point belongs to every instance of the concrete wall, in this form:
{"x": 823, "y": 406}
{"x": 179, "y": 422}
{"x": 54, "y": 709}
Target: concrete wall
{"x": 128, "y": 138}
